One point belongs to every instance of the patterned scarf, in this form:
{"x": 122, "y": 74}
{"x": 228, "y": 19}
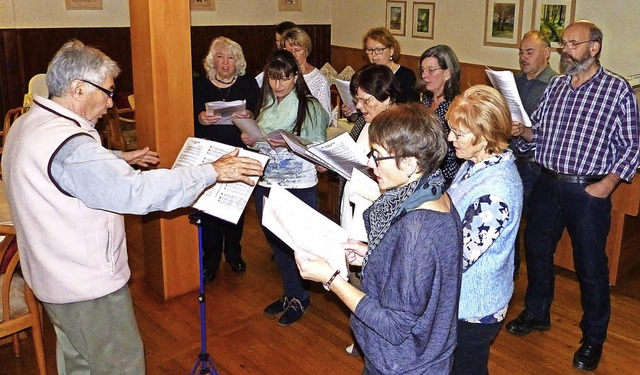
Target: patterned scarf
{"x": 394, "y": 203}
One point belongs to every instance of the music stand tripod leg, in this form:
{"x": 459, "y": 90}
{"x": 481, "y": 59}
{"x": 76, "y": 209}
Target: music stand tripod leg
{"x": 204, "y": 362}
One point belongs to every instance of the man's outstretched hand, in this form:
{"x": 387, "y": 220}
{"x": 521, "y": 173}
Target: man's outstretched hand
{"x": 231, "y": 168}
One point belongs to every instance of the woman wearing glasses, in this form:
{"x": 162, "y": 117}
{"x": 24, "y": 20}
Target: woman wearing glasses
{"x": 382, "y": 48}
{"x": 298, "y": 42}
{"x": 225, "y": 81}
{"x": 286, "y": 104}
{"x": 440, "y": 72}
{"x": 404, "y": 315}
{"x": 487, "y": 192}
{"x": 374, "y": 89}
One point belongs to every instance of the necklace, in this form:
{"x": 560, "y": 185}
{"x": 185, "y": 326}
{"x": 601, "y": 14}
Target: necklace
{"x": 224, "y": 82}
{"x": 224, "y": 96}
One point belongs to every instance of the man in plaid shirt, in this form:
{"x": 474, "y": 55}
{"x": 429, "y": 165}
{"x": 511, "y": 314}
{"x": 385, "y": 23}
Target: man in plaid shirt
{"x": 585, "y": 134}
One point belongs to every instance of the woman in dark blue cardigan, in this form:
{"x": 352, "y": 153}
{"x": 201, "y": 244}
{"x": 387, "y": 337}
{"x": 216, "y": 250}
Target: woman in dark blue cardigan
{"x": 404, "y": 316}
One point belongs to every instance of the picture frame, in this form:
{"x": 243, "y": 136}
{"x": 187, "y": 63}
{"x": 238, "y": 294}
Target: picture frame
{"x": 503, "y": 23}
{"x": 396, "y": 17}
{"x": 202, "y": 4}
{"x": 423, "y": 20}
{"x": 552, "y": 16}
{"x": 83, "y": 4}
{"x": 290, "y": 5}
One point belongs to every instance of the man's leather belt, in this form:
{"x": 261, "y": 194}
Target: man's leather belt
{"x": 572, "y": 178}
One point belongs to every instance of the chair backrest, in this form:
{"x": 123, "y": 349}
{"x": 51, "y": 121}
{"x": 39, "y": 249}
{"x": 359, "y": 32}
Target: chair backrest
{"x": 37, "y": 86}
{"x": 9, "y": 118}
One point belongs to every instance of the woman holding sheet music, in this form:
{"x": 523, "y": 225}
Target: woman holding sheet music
{"x": 225, "y": 81}
{"x": 286, "y": 105}
{"x": 404, "y": 315}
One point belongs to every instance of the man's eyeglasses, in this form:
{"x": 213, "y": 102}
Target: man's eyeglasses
{"x": 572, "y": 44}
{"x": 430, "y": 70}
{"x": 374, "y": 51}
{"x": 459, "y": 134}
{"x": 376, "y": 159}
{"x": 108, "y": 92}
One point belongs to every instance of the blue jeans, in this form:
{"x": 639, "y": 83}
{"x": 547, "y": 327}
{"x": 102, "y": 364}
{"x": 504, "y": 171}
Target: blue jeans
{"x": 555, "y": 205}
{"x": 529, "y": 171}
{"x": 294, "y": 285}
{"x": 474, "y": 343}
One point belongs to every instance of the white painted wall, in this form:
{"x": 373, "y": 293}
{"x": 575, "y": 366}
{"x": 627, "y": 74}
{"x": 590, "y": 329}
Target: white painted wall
{"x": 458, "y": 23}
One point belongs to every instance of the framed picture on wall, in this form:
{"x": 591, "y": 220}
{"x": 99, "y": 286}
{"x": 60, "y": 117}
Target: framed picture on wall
{"x": 423, "y": 15}
{"x": 396, "y": 17}
{"x": 203, "y": 4}
{"x": 503, "y": 23}
{"x": 290, "y": 5}
{"x": 83, "y": 4}
{"x": 552, "y": 16}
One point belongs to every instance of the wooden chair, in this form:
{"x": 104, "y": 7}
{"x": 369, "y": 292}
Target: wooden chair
{"x": 11, "y": 116}
{"x": 120, "y": 129}
{"x": 20, "y": 309}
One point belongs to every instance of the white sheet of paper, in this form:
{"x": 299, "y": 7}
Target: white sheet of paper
{"x": 303, "y": 228}
{"x": 505, "y": 82}
{"x": 251, "y": 127}
{"x": 345, "y": 93}
{"x": 223, "y": 200}
{"x": 225, "y": 109}
{"x": 260, "y": 79}
{"x": 299, "y": 149}
{"x": 362, "y": 191}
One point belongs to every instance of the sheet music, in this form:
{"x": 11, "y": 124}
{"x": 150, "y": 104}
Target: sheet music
{"x": 340, "y": 154}
{"x": 225, "y": 109}
{"x": 345, "y": 93}
{"x": 303, "y": 228}
{"x": 223, "y": 200}
{"x": 505, "y": 82}
{"x": 251, "y": 127}
{"x": 301, "y": 150}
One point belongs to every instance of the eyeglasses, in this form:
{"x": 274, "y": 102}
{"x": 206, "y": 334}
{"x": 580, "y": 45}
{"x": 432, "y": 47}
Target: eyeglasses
{"x": 108, "y": 92}
{"x": 572, "y": 44}
{"x": 459, "y": 134}
{"x": 376, "y": 159}
{"x": 374, "y": 51}
{"x": 365, "y": 101}
{"x": 281, "y": 79}
{"x": 430, "y": 70}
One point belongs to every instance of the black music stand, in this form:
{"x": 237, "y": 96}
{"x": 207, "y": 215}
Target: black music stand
{"x": 204, "y": 361}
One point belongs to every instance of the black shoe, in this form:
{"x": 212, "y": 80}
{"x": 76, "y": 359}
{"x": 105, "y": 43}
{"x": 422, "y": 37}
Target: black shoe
{"x": 525, "y": 323}
{"x": 294, "y": 311}
{"x": 277, "y": 307}
{"x": 208, "y": 274}
{"x": 587, "y": 357}
{"x": 238, "y": 265}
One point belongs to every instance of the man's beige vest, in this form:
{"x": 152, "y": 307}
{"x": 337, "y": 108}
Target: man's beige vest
{"x": 69, "y": 252}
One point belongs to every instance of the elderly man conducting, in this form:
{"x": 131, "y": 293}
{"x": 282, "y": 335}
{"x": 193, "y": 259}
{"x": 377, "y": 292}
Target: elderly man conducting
{"x": 585, "y": 133}
{"x": 66, "y": 194}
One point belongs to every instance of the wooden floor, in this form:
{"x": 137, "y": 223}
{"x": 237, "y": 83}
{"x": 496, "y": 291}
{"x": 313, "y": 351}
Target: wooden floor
{"x": 241, "y": 340}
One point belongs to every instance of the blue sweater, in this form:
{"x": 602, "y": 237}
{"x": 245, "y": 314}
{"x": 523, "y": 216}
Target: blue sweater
{"x": 406, "y": 323}
{"x": 487, "y": 285}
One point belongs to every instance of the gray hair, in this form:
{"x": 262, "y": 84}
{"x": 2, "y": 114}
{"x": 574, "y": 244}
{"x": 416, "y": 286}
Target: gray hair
{"x": 539, "y": 36}
{"x": 75, "y": 60}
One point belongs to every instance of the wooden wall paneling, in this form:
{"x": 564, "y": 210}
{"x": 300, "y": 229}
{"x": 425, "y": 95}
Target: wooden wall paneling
{"x": 12, "y": 76}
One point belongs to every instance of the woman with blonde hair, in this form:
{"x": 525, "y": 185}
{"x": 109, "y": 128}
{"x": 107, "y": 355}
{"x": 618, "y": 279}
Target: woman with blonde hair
{"x": 487, "y": 192}
{"x": 298, "y": 42}
{"x": 225, "y": 80}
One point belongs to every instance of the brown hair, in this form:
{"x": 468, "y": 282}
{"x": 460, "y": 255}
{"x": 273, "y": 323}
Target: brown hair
{"x": 484, "y": 112}
{"x": 410, "y": 130}
{"x": 384, "y": 37}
